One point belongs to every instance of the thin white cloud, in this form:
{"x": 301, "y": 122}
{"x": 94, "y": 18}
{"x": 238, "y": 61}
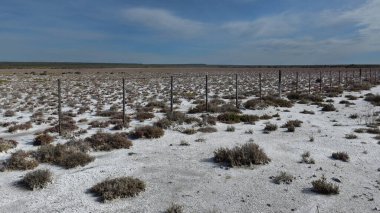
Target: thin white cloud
{"x": 163, "y": 21}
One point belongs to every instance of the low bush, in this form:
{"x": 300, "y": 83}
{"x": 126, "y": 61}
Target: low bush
{"x": 122, "y": 187}
{"x": 269, "y": 127}
{"x": 373, "y": 99}
{"x": 229, "y": 118}
{"x": 9, "y": 113}
{"x": 174, "y": 208}
{"x": 37, "y": 179}
{"x": 141, "y": 116}
{"x": 189, "y": 131}
{"x": 107, "y": 141}
{"x": 163, "y": 123}
{"x": 249, "y": 119}
{"x": 5, "y": 145}
{"x": 230, "y": 129}
{"x": 283, "y": 177}
{"x": 24, "y": 126}
{"x": 328, "y": 108}
{"x": 321, "y": 186}
{"x": 21, "y": 160}
{"x": 294, "y": 123}
{"x": 43, "y": 139}
{"x": 354, "y": 116}
{"x": 148, "y": 132}
{"x": 245, "y": 155}
{"x": 306, "y": 158}
{"x": 207, "y": 129}
{"x": 62, "y": 155}
{"x": 343, "y": 156}
{"x": 310, "y": 112}
{"x": 351, "y": 136}
{"x": 267, "y": 101}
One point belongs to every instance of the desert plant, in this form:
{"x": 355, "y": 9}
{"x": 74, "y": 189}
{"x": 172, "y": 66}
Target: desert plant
{"x": 328, "y": 108}
{"x": 343, "y": 156}
{"x": 148, "y": 132}
{"x": 174, "y": 208}
{"x": 321, "y": 186}
{"x": 373, "y": 99}
{"x": 9, "y": 113}
{"x": 294, "y": 123}
{"x": 189, "y": 131}
{"x": 141, "y": 116}
{"x": 310, "y": 112}
{"x": 121, "y": 187}
{"x": 229, "y": 118}
{"x": 42, "y": 139}
{"x": 283, "y": 177}
{"x": 306, "y": 158}
{"x": 230, "y": 129}
{"x": 21, "y": 160}
{"x": 106, "y": 141}
{"x": 249, "y": 119}
{"x": 245, "y": 155}
{"x": 37, "y": 179}
{"x": 5, "y": 145}
{"x": 24, "y": 126}
{"x": 269, "y": 127}
{"x": 163, "y": 123}
{"x": 207, "y": 129}
{"x": 351, "y": 136}
{"x": 184, "y": 143}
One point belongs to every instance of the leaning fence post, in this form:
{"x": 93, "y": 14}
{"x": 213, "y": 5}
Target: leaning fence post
{"x": 124, "y": 121}
{"x": 320, "y": 81}
{"x": 309, "y": 82}
{"x": 171, "y": 93}
{"x": 279, "y": 83}
{"x": 206, "y": 93}
{"x": 260, "y": 90}
{"x": 296, "y": 82}
{"x": 59, "y": 108}
{"x": 236, "y": 91}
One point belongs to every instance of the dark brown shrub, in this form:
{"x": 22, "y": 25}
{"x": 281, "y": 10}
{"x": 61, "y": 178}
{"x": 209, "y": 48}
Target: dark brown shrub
{"x": 106, "y": 141}
{"x": 270, "y": 127}
{"x": 174, "y": 208}
{"x": 122, "y": 187}
{"x": 24, "y": 126}
{"x": 189, "y": 131}
{"x": 229, "y": 118}
{"x": 294, "y": 123}
{"x": 163, "y": 123}
{"x": 321, "y": 186}
{"x": 207, "y": 129}
{"x": 246, "y": 155}
{"x": 21, "y": 160}
{"x": 328, "y": 108}
{"x": 306, "y": 158}
{"x": 343, "y": 156}
{"x": 38, "y": 179}
{"x": 43, "y": 139}
{"x": 249, "y": 119}
{"x": 9, "y": 113}
{"x": 141, "y": 116}
{"x": 148, "y": 132}
{"x": 373, "y": 99}
{"x": 5, "y": 145}
{"x": 99, "y": 124}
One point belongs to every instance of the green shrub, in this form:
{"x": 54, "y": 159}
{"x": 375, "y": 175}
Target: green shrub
{"x": 122, "y": 187}
{"x": 246, "y": 155}
{"x": 148, "y": 132}
{"x": 38, "y": 179}
{"x": 321, "y": 186}
{"x": 163, "y": 123}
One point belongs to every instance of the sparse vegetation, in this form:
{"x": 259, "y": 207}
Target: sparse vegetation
{"x": 20, "y": 160}
{"x": 122, "y": 187}
{"x": 283, "y": 177}
{"x": 321, "y": 186}
{"x": 306, "y": 158}
{"x": 148, "y": 132}
{"x": 43, "y": 139}
{"x": 174, "y": 208}
{"x": 37, "y": 179}
{"x": 5, "y": 145}
{"x": 343, "y": 156}
{"x": 106, "y": 141}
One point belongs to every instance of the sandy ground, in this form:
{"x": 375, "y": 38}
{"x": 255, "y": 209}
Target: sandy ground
{"x": 186, "y": 175}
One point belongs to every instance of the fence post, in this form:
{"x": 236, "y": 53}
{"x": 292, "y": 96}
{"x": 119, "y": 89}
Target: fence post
{"x": 124, "y": 121}
{"x": 375, "y": 77}
{"x": 260, "y": 90}
{"x": 171, "y": 94}
{"x": 339, "y": 80}
{"x": 360, "y": 76}
{"x": 59, "y": 108}
{"x": 320, "y": 81}
{"x": 296, "y": 82}
{"x": 330, "y": 76}
{"x": 370, "y": 75}
{"x": 279, "y": 83}
{"x": 206, "y": 93}
{"x": 236, "y": 91}
{"x": 309, "y": 82}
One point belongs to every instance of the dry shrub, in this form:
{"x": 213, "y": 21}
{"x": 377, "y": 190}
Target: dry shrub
{"x": 122, "y": 187}
{"x": 351, "y": 136}
{"x": 67, "y": 125}
{"x": 148, "y": 132}
{"x": 246, "y": 155}
{"x": 21, "y": 160}
{"x": 99, "y": 124}
{"x": 310, "y": 112}
{"x": 189, "y": 131}
{"x": 207, "y": 129}
{"x": 43, "y": 139}
{"x": 24, "y": 126}
{"x": 174, "y": 208}
{"x": 208, "y": 119}
{"x": 141, "y": 116}
{"x": 321, "y": 186}
{"x": 62, "y": 155}
{"x": 177, "y": 117}
{"x": 9, "y": 113}
{"x": 328, "y": 108}
{"x": 343, "y": 156}
{"x": 163, "y": 123}
{"x": 373, "y": 99}
{"x": 5, "y": 145}
{"x": 38, "y": 179}
{"x": 229, "y": 118}
{"x": 283, "y": 177}
{"x": 249, "y": 119}
{"x": 306, "y": 158}
{"x": 290, "y": 123}
{"x": 106, "y": 141}
{"x": 266, "y": 102}
{"x": 269, "y": 127}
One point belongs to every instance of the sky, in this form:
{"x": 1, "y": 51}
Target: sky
{"x": 240, "y": 32}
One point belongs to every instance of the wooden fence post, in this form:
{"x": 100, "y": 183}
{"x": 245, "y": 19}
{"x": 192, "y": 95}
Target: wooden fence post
{"x": 330, "y": 76}
{"x": 279, "y": 83}
{"x": 171, "y": 94}
{"x": 236, "y": 91}
{"x": 309, "y": 82}
{"x": 339, "y": 78}
{"x": 320, "y": 81}
{"x": 360, "y": 76}
{"x": 124, "y": 121}
{"x": 206, "y": 93}
{"x": 59, "y": 108}
{"x": 260, "y": 90}
{"x": 296, "y": 82}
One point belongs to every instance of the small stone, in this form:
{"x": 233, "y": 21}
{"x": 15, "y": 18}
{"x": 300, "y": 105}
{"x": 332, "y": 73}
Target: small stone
{"x": 268, "y": 205}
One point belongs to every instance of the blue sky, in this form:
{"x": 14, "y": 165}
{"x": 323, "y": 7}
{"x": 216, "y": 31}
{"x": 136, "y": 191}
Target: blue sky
{"x": 191, "y": 31}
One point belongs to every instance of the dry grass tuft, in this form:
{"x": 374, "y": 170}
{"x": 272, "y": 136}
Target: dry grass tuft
{"x": 38, "y": 179}
{"x": 174, "y": 208}
{"x": 43, "y": 139}
{"x": 21, "y": 160}
{"x": 283, "y": 177}
{"x": 321, "y": 186}
{"x": 107, "y": 141}
{"x": 343, "y": 156}
{"x": 5, "y": 145}
{"x": 148, "y": 132}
